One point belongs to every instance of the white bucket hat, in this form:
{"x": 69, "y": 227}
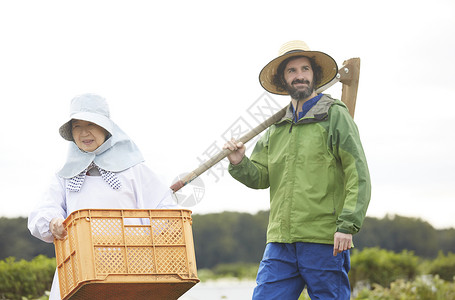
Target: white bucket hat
{"x": 87, "y": 107}
{"x": 116, "y": 154}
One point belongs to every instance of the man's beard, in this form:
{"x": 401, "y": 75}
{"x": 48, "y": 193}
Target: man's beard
{"x": 300, "y": 94}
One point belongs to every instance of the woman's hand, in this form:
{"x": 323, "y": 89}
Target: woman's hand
{"x": 57, "y": 229}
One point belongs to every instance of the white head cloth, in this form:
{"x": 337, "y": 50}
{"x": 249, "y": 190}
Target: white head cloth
{"x": 116, "y": 154}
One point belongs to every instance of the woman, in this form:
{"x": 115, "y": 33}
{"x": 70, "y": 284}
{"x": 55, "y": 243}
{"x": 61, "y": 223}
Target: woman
{"x": 104, "y": 169}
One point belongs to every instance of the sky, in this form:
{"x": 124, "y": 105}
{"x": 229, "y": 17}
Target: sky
{"x": 182, "y": 76}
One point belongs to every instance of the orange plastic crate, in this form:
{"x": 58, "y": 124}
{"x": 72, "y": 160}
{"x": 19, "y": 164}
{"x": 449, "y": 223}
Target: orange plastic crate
{"x": 126, "y": 254}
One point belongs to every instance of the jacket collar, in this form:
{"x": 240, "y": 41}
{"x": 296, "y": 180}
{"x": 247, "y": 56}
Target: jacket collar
{"x": 317, "y": 113}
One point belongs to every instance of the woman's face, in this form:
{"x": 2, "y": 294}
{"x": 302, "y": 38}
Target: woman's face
{"x": 87, "y": 135}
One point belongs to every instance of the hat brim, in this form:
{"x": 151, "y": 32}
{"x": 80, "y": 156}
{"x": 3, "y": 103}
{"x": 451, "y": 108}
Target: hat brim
{"x": 66, "y": 131}
{"x": 325, "y": 61}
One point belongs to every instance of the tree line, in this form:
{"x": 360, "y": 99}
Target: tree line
{"x": 240, "y": 237}
{"x": 234, "y": 237}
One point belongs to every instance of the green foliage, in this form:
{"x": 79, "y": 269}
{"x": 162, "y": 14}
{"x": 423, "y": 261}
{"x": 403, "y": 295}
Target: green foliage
{"x": 237, "y": 270}
{"x": 379, "y": 266}
{"x": 399, "y": 233}
{"x": 444, "y": 266}
{"x": 446, "y": 239}
{"x": 392, "y": 276}
{"x": 17, "y": 241}
{"x": 23, "y": 278}
{"x": 423, "y": 288}
{"x": 229, "y": 237}
{"x": 234, "y": 270}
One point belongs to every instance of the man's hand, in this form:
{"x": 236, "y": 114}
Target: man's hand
{"x": 341, "y": 242}
{"x": 238, "y": 151}
{"x": 57, "y": 229}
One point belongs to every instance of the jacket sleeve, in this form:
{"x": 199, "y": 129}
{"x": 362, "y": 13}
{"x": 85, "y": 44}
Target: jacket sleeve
{"x": 346, "y": 146}
{"x": 53, "y": 205}
{"x": 253, "y": 172}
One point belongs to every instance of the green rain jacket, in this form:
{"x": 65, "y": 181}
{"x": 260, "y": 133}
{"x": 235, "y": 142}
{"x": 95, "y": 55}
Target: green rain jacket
{"x": 317, "y": 173}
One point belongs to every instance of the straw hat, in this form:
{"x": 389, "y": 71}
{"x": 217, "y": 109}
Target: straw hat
{"x": 297, "y": 48}
{"x": 87, "y": 107}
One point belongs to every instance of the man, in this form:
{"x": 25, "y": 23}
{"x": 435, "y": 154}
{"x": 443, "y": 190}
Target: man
{"x": 315, "y": 166}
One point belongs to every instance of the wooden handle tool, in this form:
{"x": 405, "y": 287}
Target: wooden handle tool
{"x": 348, "y": 75}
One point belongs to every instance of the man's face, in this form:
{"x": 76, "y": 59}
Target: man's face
{"x": 298, "y": 76}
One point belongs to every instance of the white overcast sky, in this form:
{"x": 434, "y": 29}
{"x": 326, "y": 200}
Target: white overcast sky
{"x": 180, "y": 75}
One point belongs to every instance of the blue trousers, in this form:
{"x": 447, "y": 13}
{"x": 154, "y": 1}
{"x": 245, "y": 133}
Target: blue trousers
{"x": 286, "y": 269}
